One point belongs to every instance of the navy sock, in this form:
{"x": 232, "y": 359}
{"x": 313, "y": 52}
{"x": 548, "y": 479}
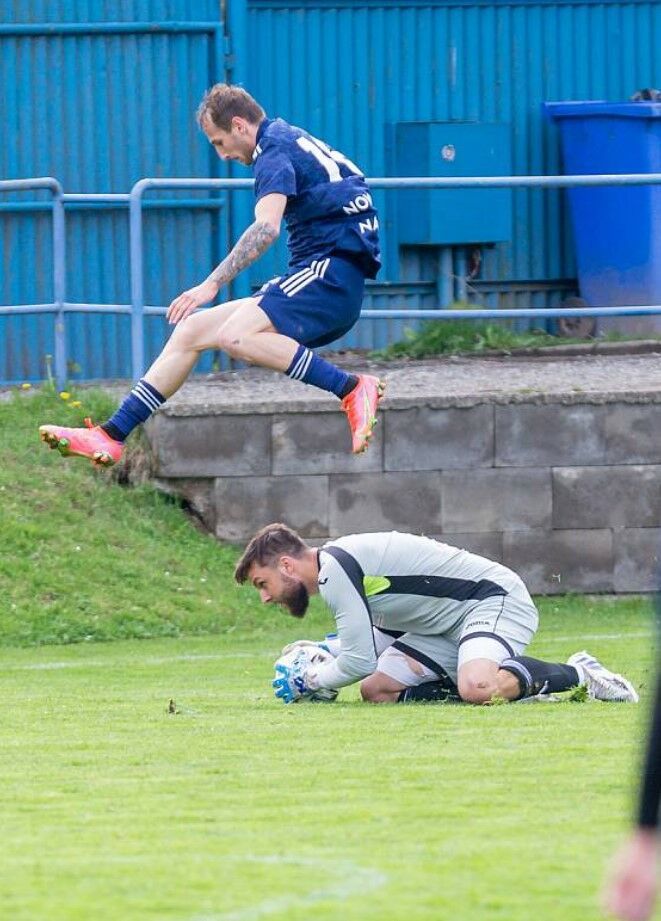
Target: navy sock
{"x": 431, "y": 690}
{"x": 536, "y": 677}
{"x": 311, "y": 369}
{"x": 136, "y": 408}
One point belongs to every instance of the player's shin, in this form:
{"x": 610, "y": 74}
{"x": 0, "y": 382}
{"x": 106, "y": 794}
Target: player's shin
{"x": 537, "y": 677}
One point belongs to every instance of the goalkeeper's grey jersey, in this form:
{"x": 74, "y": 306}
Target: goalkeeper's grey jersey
{"x": 400, "y": 583}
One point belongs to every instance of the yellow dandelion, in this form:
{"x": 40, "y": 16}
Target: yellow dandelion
{"x": 65, "y": 395}
{"x": 26, "y": 386}
{"x": 74, "y": 404}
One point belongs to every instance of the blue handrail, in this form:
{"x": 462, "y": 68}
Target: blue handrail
{"x": 59, "y": 265}
{"x": 135, "y": 201}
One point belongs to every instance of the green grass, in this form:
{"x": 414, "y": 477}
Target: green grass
{"x": 236, "y": 807}
{"x": 82, "y": 558}
{"x": 449, "y": 337}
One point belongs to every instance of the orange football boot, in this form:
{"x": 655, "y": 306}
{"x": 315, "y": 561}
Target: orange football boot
{"x": 360, "y": 406}
{"x": 91, "y": 442}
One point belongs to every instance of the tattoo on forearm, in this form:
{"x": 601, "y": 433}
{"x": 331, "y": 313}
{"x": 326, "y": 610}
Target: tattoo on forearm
{"x": 249, "y": 247}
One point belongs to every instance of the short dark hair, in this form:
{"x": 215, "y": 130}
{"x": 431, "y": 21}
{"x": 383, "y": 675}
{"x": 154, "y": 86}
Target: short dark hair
{"x": 268, "y": 545}
{"x": 223, "y": 102}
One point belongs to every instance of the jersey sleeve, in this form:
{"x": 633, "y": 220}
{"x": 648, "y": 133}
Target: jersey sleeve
{"x": 342, "y": 590}
{"x": 274, "y": 172}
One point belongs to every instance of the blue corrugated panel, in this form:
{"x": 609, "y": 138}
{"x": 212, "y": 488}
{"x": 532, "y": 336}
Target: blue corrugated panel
{"x": 349, "y": 71}
{"x": 100, "y": 111}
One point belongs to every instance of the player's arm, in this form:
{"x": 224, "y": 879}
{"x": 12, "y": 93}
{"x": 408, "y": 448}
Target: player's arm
{"x": 264, "y": 230}
{"x": 357, "y": 658}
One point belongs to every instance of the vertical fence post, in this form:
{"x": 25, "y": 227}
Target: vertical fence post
{"x": 137, "y": 280}
{"x": 59, "y": 288}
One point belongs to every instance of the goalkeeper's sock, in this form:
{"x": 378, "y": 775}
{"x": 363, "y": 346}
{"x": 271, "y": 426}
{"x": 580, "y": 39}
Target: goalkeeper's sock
{"x": 537, "y": 677}
{"x": 311, "y": 369}
{"x": 430, "y": 691}
{"x": 136, "y": 408}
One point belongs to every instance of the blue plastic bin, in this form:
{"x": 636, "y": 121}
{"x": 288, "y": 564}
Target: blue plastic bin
{"x": 617, "y": 230}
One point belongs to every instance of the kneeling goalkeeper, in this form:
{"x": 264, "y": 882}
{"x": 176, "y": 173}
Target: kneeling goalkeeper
{"x": 416, "y": 619}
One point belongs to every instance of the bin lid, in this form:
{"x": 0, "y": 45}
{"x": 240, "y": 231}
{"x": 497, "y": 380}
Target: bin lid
{"x": 598, "y": 107}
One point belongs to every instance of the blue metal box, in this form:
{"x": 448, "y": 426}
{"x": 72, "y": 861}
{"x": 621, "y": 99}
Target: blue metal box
{"x": 444, "y": 217}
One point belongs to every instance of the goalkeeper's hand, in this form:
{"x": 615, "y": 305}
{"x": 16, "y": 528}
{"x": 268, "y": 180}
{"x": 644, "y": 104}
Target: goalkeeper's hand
{"x": 329, "y": 645}
{"x": 290, "y": 682}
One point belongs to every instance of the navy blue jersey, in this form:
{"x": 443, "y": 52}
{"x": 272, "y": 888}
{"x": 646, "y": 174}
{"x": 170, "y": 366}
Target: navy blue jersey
{"x": 329, "y": 207}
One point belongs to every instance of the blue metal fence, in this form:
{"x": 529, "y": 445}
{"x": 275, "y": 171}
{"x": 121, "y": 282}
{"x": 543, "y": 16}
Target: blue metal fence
{"x": 100, "y": 94}
{"x": 138, "y": 310}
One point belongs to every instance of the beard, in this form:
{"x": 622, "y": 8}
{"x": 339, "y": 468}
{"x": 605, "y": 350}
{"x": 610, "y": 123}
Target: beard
{"x": 295, "y": 597}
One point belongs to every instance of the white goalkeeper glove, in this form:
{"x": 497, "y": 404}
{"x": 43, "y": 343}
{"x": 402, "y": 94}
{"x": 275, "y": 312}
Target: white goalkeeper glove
{"x": 295, "y": 676}
{"x": 329, "y": 645}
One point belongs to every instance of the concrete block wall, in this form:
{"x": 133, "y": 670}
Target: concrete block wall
{"x": 567, "y": 493}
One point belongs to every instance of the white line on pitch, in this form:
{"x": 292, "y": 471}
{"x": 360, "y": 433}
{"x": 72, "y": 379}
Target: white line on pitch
{"x": 114, "y": 663}
{"x": 596, "y": 636}
{"x": 352, "y": 880}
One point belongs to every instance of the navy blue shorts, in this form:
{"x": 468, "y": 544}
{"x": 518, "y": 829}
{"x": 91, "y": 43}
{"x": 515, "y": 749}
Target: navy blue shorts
{"x": 314, "y": 304}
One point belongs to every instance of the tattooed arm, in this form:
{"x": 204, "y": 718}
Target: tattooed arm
{"x": 250, "y": 246}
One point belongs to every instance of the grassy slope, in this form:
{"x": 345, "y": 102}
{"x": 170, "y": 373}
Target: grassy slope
{"x": 82, "y": 558}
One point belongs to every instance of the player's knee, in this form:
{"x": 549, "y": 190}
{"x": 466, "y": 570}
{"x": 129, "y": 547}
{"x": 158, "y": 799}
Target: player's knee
{"x": 474, "y": 689}
{"x": 186, "y": 335}
{"x": 229, "y": 341}
{"x": 373, "y": 693}
{"x": 368, "y": 691}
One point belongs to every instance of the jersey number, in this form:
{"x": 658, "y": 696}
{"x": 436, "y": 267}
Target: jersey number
{"x": 326, "y": 157}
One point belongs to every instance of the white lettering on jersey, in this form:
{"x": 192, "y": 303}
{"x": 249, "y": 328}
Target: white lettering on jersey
{"x": 326, "y": 157}
{"x": 372, "y": 223}
{"x": 362, "y": 202}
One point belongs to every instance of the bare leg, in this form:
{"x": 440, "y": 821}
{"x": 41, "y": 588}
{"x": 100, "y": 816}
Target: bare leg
{"x": 250, "y": 336}
{"x": 240, "y": 328}
{"x": 190, "y": 338}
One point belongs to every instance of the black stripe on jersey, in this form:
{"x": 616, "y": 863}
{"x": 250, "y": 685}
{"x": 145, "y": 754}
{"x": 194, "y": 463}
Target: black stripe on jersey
{"x": 425, "y": 660}
{"x": 441, "y": 587}
{"x": 356, "y": 575}
{"x": 491, "y": 636}
{"x": 395, "y": 633}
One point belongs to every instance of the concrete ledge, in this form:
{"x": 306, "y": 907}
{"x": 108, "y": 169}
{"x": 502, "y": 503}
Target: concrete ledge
{"x": 602, "y": 497}
{"x": 636, "y": 558}
{"x": 245, "y": 504}
{"x": 555, "y": 562}
{"x": 496, "y": 500}
{"x": 553, "y": 467}
{"x": 426, "y": 439}
{"x": 210, "y": 446}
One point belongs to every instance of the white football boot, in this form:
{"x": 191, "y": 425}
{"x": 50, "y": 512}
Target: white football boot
{"x": 602, "y": 684}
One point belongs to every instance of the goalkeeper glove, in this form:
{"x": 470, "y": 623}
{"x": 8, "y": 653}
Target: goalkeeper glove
{"x": 330, "y": 644}
{"x": 290, "y": 682}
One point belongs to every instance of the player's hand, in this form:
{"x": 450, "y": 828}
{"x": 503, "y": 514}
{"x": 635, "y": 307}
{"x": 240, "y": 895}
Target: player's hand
{"x": 190, "y": 300}
{"x": 310, "y": 645}
{"x": 318, "y": 651}
{"x": 631, "y": 889}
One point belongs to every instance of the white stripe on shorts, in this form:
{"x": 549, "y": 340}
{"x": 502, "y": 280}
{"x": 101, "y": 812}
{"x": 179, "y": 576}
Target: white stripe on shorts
{"x": 293, "y": 280}
{"x": 304, "y": 277}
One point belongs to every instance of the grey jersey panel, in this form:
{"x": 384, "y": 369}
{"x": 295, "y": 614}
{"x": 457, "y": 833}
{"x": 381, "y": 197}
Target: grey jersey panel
{"x": 451, "y": 582}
